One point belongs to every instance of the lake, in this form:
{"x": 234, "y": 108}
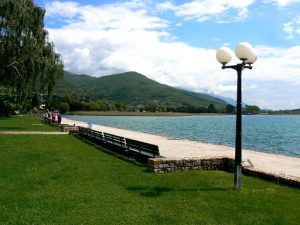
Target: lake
{"x": 272, "y": 134}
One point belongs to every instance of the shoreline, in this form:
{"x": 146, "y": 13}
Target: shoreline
{"x": 163, "y": 114}
{"x": 179, "y": 148}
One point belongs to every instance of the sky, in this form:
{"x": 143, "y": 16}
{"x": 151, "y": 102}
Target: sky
{"x": 175, "y": 42}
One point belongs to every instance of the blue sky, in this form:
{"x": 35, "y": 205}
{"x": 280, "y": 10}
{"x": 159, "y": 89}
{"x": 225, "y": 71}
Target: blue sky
{"x": 174, "y": 42}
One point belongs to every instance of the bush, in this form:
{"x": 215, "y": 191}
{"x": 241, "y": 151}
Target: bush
{"x": 5, "y": 109}
{"x": 63, "y": 107}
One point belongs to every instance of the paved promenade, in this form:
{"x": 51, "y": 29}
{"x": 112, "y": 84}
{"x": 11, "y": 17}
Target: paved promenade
{"x": 173, "y": 148}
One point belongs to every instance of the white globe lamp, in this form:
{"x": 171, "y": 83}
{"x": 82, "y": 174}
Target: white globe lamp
{"x": 253, "y": 57}
{"x": 243, "y": 51}
{"x": 224, "y": 55}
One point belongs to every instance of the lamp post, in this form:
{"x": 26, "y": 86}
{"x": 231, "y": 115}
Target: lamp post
{"x": 248, "y": 56}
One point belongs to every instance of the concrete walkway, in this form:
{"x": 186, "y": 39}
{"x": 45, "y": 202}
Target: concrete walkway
{"x": 172, "y": 148}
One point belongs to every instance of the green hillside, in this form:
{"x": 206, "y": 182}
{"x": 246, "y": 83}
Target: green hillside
{"x": 135, "y": 90}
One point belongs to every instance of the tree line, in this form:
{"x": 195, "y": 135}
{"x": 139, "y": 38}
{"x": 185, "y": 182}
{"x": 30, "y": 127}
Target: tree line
{"x": 29, "y": 65}
{"x": 71, "y": 102}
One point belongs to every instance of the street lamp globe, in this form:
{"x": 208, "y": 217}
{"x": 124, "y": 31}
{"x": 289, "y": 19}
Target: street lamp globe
{"x": 253, "y": 57}
{"x": 224, "y": 55}
{"x": 244, "y": 51}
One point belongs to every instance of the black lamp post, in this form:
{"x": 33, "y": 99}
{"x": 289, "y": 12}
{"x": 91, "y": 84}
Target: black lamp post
{"x": 248, "y": 56}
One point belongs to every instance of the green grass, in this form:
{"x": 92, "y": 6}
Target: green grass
{"x": 63, "y": 180}
{"x": 24, "y": 123}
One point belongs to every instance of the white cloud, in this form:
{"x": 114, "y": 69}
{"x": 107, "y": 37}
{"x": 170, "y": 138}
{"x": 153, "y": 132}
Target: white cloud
{"x": 65, "y": 9}
{"x": 283, "y": 3}
{"x": 278, "y": 64}
{"x": 274, "y": 81}
{"x": 166, "y": 6}
{"x": 116, "y": 38}
{"x": 292, "y": 28}
{"x": 272, "y": 94}
{"x": 202, "y": 10}
{"x": 289, "y": 29}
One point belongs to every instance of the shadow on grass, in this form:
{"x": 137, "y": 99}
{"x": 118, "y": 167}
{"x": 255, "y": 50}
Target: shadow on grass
{"x": 158, "y": 191}
{"x": 5, "y": 118}
{"x": 113, "y": 153}
{"x": 11, "y": 128}
{"x": 150, "y": 192}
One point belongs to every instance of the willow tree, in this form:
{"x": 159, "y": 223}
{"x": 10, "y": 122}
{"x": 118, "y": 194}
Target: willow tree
{"x": 28, "y": 62}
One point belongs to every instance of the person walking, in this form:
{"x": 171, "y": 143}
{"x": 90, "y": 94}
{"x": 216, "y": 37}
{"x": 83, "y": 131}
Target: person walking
{"x": 90, "y": 125}
{"x": 53, "y": 117}
{"x": 59, "y": 118}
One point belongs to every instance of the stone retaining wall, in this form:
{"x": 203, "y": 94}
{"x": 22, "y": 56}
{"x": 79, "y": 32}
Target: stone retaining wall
{"x": 277, "y": 179}
{"x": 165, "y": 165}
{"x": 168, "y": 165}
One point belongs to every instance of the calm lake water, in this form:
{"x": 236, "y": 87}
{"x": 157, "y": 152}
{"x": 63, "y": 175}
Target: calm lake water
{"x": 273, "y": 134}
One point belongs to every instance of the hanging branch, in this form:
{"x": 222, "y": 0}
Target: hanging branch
{"x": 28, "y": 61}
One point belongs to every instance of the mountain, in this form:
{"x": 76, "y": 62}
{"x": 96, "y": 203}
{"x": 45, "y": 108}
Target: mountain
{"x": 133, "y": 89}
{"x": 229, "y": 100}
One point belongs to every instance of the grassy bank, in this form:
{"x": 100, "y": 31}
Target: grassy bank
{"x": 63, "y": 180}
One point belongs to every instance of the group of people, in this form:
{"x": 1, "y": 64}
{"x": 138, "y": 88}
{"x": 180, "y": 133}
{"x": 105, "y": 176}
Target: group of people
{"x": 54, "y": 116}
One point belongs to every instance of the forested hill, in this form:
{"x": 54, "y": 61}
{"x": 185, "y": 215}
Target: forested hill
{"x": 134, "y": 90}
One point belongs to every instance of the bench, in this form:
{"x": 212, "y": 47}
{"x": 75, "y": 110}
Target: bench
{"x": 68, "y": 128}
{"x": 114, "y": 140}
{"x": 63, "y": 127}
{"x": 124, "y": 145}
{"x": 95, "y": 135}
{"x": 142, "y": 148}
{"x": 47, "y": 120}
{"x": 90, "y": 134}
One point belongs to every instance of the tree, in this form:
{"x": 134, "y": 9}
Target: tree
{"x": 230, "y": 109}
{"x": 28, "y": 62}
{"x": 104, "y": 105}
{"x": 251, "y": 109}
{"x": 152, "y": 107}
{"x": 62, "y": 107}
{"x": 120, "y": 106}
{"x": 211, "y": 108}
{"x": 7, "y": 96}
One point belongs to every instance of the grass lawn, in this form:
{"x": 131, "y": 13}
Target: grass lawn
{"x": 63, "y": 180}
{"x": 24, "y": 123}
